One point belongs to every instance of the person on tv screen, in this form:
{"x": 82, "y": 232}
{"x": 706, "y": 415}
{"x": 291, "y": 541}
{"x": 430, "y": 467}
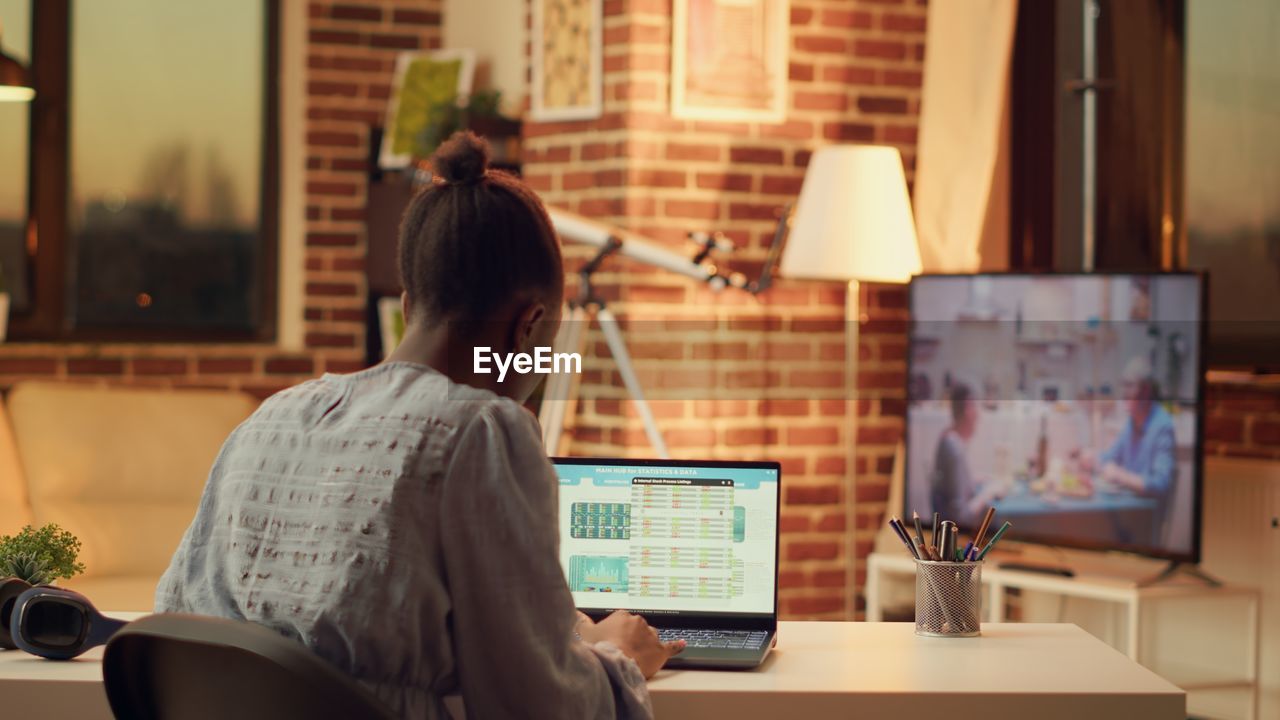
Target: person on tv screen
{"x": 1141, "y": 459}
{"x": 954, "y": 492}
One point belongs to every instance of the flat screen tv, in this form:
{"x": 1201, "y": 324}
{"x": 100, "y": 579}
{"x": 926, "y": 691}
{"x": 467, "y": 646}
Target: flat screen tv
{"x": 1072, "y": 403}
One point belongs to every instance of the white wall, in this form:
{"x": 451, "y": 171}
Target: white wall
{"x": 495, "y": 29}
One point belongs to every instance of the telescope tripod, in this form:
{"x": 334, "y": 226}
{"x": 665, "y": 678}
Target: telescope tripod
{"x": 559, "y": 399}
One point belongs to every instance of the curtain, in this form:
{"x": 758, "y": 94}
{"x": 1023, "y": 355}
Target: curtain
{"x": 961, "y": 199}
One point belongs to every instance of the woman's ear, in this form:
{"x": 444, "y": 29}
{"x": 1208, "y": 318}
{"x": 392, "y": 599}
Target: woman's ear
{"x": 525, "y": 322}
{"x": 404, "y": 307}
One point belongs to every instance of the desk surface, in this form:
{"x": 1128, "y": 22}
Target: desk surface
{"x": 818, "y": 669}
{"x": 878, "y": 669}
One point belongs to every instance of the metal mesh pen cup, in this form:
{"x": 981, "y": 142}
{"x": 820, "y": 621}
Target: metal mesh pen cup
{"x": 948, "y": 598}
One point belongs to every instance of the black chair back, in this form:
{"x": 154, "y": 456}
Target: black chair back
{"x": 190, "y": 667}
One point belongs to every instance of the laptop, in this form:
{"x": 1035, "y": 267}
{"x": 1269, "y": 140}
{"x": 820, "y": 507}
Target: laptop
{"x": 692, "y": 546}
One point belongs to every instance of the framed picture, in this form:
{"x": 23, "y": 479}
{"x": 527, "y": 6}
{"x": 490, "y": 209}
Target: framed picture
{"x": 729, "y": 60}
{"x": 568, "y": 64}
{"x": 424, "y": 83}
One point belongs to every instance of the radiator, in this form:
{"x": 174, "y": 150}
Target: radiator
{"x": 1241, "y": 545}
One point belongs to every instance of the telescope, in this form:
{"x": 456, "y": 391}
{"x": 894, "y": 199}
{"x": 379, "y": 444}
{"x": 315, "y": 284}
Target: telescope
{"x": 560, "y": 393}
{"x": 617, "y": 241}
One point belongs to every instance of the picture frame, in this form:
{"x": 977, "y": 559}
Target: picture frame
{"x": 562, "y": 86}
{"x": 421, "y": 80}
{"x": 729, "y": 60}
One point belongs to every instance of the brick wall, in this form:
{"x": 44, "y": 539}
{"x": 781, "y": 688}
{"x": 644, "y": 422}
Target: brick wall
{"x": 1243, "y": 420}
{"x": 351, "y": 49}
{"x": 767, "y": 380}
{"x": 740, "y": 377}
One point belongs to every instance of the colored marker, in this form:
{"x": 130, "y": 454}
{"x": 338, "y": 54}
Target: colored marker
{"x": 994, "y": 539}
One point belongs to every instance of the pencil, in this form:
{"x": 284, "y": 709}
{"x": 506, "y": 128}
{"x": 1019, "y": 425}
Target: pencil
{"x": 994, "y": 539}
{"x": 915, "y": 518}
{"x": 982, "y": 529}
{"x": 902, "y": 535}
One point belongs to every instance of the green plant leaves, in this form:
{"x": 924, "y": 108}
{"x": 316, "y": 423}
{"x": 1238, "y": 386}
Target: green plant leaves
{"x": 40, "y": 556}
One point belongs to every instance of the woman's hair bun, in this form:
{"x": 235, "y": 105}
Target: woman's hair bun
{"x": 463, "y": 158}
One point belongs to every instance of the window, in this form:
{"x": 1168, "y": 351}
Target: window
{"x": 1233, "y": 171}
{"x": 15, "y": 15}
{"x": 153, "y": 193}
{"x": 1187, "y": 156}
{"x": 1136, "y": 153}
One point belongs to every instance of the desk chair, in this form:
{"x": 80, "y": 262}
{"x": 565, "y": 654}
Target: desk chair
{"x": 189, "y": 667}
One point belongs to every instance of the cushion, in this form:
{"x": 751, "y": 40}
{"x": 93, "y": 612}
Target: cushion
{"x": 118, "y": 594}
{"x": 122, "y": 468}
{"x": 15, "y": 511}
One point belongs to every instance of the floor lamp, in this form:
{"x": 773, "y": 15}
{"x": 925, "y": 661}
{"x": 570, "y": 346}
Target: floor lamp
{"x": 852, "y": 223}
{"x": 15, "y": 80}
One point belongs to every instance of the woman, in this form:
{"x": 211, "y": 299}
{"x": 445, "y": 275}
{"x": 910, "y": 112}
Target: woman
{"x": 401, "y": 521}
{"x": 954, "y": 492}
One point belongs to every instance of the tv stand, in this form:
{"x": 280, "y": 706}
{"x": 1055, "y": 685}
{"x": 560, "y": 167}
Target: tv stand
{"x": 1058, "y": 570}
{"x": 1176, "y": 567}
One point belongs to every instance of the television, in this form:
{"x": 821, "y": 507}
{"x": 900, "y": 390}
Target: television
{"x": 1071, "y": 403}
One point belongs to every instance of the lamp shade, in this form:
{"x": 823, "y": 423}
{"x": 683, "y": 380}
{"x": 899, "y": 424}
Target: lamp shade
{"x": 15, "y": 85}
{"x": 853, "y": 219}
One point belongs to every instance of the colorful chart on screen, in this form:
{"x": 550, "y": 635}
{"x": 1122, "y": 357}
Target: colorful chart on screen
{"x": 669, "y": 538}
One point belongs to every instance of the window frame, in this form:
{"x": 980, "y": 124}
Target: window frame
{"x": 1047, "y": 194}
{"x": 1045, "y": 189}
{"x": 49, "y": 153}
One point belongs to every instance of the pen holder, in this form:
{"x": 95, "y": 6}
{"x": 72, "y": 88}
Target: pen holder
{"x": 948, "y": 598}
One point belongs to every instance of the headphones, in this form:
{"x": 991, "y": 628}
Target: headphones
{"x": 57, "y": 624}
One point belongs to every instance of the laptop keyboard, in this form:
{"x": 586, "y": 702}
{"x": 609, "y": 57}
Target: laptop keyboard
{"x": 728, "y": 639}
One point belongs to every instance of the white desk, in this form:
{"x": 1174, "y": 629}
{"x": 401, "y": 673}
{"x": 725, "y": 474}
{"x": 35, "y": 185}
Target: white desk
{"x": 1143, "y": 638}
{"x": 1048, "y": 672}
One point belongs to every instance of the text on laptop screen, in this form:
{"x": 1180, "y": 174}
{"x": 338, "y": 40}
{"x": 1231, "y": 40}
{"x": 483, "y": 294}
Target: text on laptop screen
{"x": 674, "y": 538}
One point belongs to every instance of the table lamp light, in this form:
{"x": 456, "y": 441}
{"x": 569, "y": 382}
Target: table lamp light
{"x": 852, "y": 223}
{"x": 15, "y": 84}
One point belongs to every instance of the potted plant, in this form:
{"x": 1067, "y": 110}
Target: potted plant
{"x": 40, "y": 556}
{"x": 33, "y": 557}
{"x": 480, "y": 114}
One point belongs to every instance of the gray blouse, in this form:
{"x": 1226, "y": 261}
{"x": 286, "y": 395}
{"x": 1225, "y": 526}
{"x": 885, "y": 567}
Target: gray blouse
{"x": 404, "y": 528}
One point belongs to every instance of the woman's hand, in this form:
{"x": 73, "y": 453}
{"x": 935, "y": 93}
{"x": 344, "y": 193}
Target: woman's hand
{"x": 1122, "y": 478}
{"x": 586, "y": 628}
{"x": 634, "y": 637}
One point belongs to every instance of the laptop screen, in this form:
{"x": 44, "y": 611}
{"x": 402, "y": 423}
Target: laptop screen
{"x": 670, "y": 536}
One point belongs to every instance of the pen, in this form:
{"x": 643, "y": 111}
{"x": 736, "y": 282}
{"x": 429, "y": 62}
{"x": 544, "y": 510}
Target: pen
{"x": 994, "y": 539}
{"x": 964, "y": 556}
{"x": 902, "y": 535}
{"x": 982, "y": 528}
{"x": 925, "y": 548}
{"x": 917, "y": 548}
{"x": 906, "y": 538}
{"x": 936, "y": 519}
{"x": 947, "y": 548}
